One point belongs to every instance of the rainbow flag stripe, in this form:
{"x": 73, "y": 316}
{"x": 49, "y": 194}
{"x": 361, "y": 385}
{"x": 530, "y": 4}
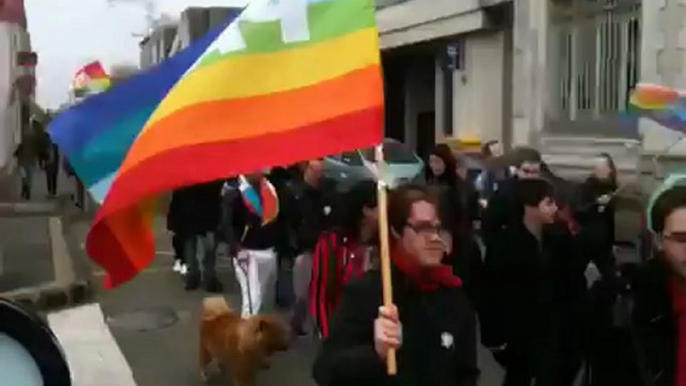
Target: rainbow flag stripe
{"x": 283, "y": 82}
{"x": 661, "y": 104}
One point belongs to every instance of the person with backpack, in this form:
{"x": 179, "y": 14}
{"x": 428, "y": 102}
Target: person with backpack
{"x": 343, "y": 253}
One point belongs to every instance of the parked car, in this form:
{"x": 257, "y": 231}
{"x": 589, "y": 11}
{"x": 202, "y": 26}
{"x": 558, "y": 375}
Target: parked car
{"x": 349, "y": 168}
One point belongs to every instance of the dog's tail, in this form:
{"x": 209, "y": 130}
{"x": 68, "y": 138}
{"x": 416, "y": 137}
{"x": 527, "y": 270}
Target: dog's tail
{"x": 214, "y": 307}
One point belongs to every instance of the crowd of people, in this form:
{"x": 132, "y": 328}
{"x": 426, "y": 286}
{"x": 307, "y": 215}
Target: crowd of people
{"x": 500, "y": 260}
{"x": 37, "y": 151}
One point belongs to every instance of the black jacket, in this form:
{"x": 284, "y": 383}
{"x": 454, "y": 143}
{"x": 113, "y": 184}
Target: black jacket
{"x": 531, "y": 288}
{"x": 467, "y": 262}
{"x": 348, "y": 357}
{"x": 306, "y": 212}
{"x": 243, "y": 228}
{"x": 654, "y": 326}
{"x": 597, "y": 223}
{"x": 504, "y": 208}
{"x": 196, "y": 209}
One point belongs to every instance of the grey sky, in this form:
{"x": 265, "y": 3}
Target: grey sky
{"x": 67, "y": 34}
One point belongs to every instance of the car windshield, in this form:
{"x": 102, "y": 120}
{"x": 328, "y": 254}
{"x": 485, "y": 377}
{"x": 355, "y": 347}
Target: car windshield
{"x": 352, "y": 158}
{"x": 394, "y": 153}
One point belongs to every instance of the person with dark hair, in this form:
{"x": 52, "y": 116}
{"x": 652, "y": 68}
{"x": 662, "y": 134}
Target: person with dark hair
{"x": 195, "y": 216}
{"x": 344, "y": 253}
{"x": 51, "y": 164}
{"x": 26, "y": 154}
{"x": 504, "y": 206}
{"x": 431, "y": 325}
{"x": 656, "y": 333}
{"x": 530, "y": 317}
{"x": 595, "y": 211}
{"x": 441, "y": 170}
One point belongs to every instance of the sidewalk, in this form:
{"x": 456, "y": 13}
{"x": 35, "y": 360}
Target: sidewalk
{"x": 40, "y": 262}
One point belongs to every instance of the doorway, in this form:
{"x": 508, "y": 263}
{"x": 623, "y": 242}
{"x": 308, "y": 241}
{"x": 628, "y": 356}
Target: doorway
{"x": 426, "y": 133}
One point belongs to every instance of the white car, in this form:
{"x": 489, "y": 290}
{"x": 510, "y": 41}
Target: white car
{"x": 349, "y": 168}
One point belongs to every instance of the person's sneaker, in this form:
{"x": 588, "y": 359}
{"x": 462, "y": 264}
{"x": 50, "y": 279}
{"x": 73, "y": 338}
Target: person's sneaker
{"x": 177, "y": 266}
{"x": 184, "y": 270}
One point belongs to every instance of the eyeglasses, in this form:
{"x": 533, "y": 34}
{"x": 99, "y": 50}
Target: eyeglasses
{"x": 530, "y": 171}
{"x": 428, "y": 229}
{"x": 676, "y": 237}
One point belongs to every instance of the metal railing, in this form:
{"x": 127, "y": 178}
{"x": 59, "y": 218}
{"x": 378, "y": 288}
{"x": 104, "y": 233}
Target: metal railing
{"x": 594, "y": 49}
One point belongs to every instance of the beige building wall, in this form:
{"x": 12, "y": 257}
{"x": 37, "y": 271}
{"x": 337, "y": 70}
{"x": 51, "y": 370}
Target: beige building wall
{"x": 13, "y": 39}
{"x": 663, "y": 61}
{"x": 478, "y": 88}
{"x": 419, "y": 21}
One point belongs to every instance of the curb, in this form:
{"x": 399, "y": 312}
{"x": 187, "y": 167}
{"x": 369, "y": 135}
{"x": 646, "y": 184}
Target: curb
{"x": 34, "y": 208}
{"x": 51, "y": 296}
{"x": 66, "y": 289}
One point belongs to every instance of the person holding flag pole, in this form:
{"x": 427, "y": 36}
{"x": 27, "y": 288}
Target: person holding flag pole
{"x": 419, "y": 330}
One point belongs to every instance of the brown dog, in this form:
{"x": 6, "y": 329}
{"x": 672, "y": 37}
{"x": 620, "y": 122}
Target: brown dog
{"x": 239, "y": 346}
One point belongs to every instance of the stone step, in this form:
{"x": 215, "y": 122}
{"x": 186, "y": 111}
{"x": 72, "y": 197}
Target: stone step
{"x": 591, "y": 146}
{"x": 574, "y": 157}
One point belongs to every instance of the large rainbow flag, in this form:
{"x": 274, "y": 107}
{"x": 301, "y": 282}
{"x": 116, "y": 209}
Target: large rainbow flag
{"x": 283, "y": 82}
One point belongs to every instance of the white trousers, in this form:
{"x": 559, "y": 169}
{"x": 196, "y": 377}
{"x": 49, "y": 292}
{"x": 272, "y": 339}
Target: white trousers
{"x": 256, "y": 274}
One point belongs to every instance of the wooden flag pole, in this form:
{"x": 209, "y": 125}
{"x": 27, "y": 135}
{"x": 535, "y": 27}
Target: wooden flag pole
{"x": 384, "y": 248}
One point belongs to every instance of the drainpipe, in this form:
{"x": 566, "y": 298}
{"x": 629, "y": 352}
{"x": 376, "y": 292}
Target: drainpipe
{"x": 453, "y": 55}
{"x": 447, "y": 101}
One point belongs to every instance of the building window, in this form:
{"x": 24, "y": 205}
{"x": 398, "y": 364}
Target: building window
{"x": 594, "y": 55}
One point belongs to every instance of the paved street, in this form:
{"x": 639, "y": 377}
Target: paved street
{"x": 25, "y": 253}
{"x": 10, "y": 187}
{"x": 155, "y": 325}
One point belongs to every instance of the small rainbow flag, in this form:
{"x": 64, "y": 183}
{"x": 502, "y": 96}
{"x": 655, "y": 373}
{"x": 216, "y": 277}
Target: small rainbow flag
{"x": 286, "y": 81}
{"x": 91, "y": 79}
{"x": 661, "y": 104}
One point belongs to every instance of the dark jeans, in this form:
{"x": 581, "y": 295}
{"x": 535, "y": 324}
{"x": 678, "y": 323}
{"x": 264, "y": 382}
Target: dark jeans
{"x": 177, "y": 244}
{"x": 26, "y": 182}
{"x": 285, "y": 296}
{"x": 191, "y": 244}
{"x": 553, "y": 359}
{"x": 80, "y": 193}
{"x": 51, "y": 179}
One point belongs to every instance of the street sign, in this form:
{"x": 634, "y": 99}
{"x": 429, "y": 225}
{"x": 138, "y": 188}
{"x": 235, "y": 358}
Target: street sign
{"x": 454, "y": 53}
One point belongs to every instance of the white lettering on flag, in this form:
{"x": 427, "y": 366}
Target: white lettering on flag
{"x": 291, "y": 14}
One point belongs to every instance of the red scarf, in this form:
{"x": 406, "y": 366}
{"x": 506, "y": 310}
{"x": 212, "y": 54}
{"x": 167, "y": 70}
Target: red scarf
{"x": 679, "y": 306}
{"x": 427, "y": 279}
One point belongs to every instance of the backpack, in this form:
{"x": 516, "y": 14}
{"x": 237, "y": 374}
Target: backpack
{"x": 335, "y": 262}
